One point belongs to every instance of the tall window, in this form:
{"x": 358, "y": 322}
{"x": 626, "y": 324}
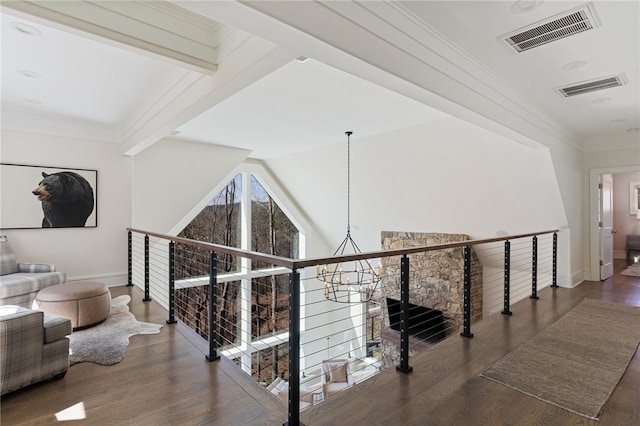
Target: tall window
{"x": 269, "y": 231}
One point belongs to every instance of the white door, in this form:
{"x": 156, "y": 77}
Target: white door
{"x": 606, "y": 227}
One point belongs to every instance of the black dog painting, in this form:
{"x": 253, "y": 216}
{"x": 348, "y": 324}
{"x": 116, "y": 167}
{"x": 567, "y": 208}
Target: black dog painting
{"x": 47, "y": 197}
{"x": 67, "y": 199}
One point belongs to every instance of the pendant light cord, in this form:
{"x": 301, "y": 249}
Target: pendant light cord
{"x": 348, "y": 182}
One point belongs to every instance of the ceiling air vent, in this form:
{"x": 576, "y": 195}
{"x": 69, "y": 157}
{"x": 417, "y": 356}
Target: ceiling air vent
{"x": 593, "y": 85}
{"x": 563, "y": 25}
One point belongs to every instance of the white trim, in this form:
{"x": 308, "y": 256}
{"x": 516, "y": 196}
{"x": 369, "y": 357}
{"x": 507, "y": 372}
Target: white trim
{"x": 274, "y": 188}
{"x": 111, "y": 280}
{"x": 283, "y": 200}
{"x": 619, "y": 254}
{"x": 256, "y": 345}
{"x": 634, "y": 188}
{"x": 245, "y": 323}
{"x": 232, "y": 276}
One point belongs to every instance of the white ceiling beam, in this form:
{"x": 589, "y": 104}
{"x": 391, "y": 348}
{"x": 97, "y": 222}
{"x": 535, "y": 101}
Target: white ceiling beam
{"x": 194, "y": 94}
{"x": 159, "y": 28}
{"x": 382, "y": 43}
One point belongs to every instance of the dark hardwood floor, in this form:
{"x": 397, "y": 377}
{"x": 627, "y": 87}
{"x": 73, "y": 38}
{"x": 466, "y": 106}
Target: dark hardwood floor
{"x": 165, "y": 380}
{"x": 445, "y": 387}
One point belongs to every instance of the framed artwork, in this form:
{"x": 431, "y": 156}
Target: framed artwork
{"x": 47, "y": 197}
{"x": 634, "y": 198}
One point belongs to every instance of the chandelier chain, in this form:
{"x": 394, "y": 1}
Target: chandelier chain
{"x": 348, "y": 182}
{"x": 345, "y": 282}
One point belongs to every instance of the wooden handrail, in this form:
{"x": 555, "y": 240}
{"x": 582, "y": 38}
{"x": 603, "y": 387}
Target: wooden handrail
{"x": 253, "y": 255}
{"x": 295, "y": 264}
{"x": 405, "y": 251}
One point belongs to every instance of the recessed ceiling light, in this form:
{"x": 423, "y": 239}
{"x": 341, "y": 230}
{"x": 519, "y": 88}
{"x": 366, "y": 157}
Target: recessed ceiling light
{"x": 302, "y": 59}
{"x": 30, "y": 74}
{"x": 574, "y": 65}
{"x": 522, "y": 6}
{"x": 26, "y": 29}
{"x": 634, "y": 130}
{"x": 600, "y": 100}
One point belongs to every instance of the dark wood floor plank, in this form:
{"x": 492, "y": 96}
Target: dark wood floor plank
{"x": 166, "y": 380}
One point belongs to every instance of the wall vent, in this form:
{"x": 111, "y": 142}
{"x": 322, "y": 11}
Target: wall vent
{"x": 557, "y": 27}
{"x": 593, "y": 85}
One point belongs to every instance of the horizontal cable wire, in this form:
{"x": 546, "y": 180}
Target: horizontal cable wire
{"x": 360, "y": 333}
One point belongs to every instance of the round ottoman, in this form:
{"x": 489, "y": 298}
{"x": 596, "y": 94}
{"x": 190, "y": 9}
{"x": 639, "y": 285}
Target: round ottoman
{"x": 86, "y": 303}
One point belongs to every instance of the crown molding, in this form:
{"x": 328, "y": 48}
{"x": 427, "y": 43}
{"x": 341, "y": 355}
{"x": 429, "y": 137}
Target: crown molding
{"x": 58, "y": 125}
{"x": 188, "y": 95}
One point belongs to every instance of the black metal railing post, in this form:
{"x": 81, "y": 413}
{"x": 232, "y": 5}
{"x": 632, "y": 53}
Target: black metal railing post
{"x": 404, "y": 316}
{"x": 213, "y": 307}
{"x": 554, "y": 261}
{"x": 466, "y": 321}
{"x": 130, "y": 259}
{"x": 534, "y": 268}
{"x": 172, "y": 283}
{"x": 294, "y": 350}
{"x": 147, "y": 297}
{"x": 507, "y": 278}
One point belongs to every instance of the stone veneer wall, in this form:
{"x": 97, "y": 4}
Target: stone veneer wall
{"x": 436, "y": 278}
{"x": 436, "y": 281}
{"x": 390, "y": 347}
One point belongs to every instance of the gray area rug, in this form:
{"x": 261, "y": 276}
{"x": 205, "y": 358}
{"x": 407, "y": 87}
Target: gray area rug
{"x": 107, "y": 342}
{"x": 632, "y": 271}
{"x": 577, "y": 362}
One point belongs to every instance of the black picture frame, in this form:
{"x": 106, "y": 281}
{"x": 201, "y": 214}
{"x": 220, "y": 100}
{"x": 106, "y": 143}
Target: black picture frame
{"x": 29, "y": 200}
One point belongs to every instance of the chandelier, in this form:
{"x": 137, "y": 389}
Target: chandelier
{"x": 349, "y": 282}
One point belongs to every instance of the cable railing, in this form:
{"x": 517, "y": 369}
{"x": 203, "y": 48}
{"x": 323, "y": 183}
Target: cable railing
{"x": 273, "y": 318}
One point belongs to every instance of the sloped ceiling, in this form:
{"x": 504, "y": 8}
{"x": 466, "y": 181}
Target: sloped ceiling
{"x": 375, "y": 66}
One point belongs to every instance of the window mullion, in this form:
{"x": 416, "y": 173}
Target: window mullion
{"x": 245, "y": 268}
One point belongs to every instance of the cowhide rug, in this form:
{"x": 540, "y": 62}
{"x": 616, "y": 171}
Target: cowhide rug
{"x": 107, "y": 342}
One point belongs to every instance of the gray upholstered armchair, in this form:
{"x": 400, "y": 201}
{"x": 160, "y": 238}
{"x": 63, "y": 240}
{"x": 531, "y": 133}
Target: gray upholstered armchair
{"x": 20, "y": 282}
{"x": 33, "y": 347}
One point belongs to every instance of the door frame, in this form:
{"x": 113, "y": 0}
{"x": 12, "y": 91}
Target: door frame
{"x": 594, "y": 213}
{"x": 606, "y": 267}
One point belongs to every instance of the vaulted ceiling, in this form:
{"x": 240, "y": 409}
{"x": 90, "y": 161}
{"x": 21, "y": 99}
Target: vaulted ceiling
{"x": 232, "y": 73}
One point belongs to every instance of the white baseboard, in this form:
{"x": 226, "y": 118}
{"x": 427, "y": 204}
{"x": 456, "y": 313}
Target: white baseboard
{"x": 574, "y": 280}
{"x": 619, "y": 254}
{"x": 111, "y": 280}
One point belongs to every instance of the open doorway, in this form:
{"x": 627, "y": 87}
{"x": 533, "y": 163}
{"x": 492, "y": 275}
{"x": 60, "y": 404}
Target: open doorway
{"x": 609, "y": 229}
{"x": 625, "y": 219}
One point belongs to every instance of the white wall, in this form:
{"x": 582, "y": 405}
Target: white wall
{"x": 446, "y": 176}
{"x": 567, "y": 165}
{"x": 83, "y": 253}
{"x": 171, "y": 177}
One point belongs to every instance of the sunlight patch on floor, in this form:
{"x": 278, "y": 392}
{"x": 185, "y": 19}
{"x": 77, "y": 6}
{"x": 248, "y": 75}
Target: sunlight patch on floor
{"x": 75, "y": 412}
